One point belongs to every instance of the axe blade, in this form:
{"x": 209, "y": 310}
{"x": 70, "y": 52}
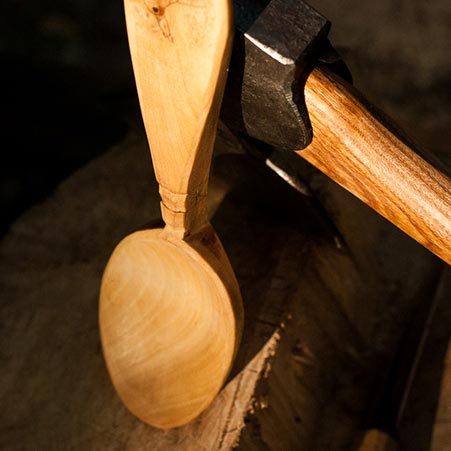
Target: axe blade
{"x": 264, "y": 95}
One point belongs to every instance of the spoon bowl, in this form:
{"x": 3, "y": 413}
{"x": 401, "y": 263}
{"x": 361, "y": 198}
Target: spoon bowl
{"x": 168, "y": 324}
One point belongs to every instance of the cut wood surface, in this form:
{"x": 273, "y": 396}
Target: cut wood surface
{"x": 322, "y": 323}
{"x": 357, "y": 151}
{"x": 170, "y": 306}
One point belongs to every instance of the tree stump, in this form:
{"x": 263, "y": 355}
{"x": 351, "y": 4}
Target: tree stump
{"x": 327, "y": 298}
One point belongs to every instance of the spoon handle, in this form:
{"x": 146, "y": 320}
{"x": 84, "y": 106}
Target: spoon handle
{"x": 180, "y": 52}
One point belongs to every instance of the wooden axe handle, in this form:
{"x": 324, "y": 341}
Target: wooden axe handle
{"x": 357, "y": 151}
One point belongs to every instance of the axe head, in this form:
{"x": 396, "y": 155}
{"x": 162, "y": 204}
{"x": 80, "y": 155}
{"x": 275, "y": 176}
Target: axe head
{"x": 274, "y": 44}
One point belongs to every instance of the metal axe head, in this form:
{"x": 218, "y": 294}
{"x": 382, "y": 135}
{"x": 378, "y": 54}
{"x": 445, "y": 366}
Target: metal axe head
{"x": 274, "y": 43}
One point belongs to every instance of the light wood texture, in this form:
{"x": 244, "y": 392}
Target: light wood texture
{"x": 170, "y": 306}
{"x": 168, "y": 326}
{"x": 362, "y": 155}
{"x": 180, "y": 53}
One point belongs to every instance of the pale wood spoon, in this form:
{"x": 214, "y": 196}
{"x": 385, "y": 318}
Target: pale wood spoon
{"x": 170, "y": 306}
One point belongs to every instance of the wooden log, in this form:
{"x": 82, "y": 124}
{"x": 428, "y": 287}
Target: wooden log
{"x": 322, "y": 322}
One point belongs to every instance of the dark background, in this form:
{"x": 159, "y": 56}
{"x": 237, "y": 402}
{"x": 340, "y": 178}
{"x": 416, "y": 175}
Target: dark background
{"x": 66, "y": 86}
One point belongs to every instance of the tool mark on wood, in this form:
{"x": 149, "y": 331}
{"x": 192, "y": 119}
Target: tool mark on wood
{"x": 157, "y": 9}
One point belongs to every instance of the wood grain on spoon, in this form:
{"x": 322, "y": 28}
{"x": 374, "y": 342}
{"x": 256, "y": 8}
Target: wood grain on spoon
{"x": 169, "y": 331}
{"x": 170, "y": 306}
{"x": 357, "y": 151}
{"x": 180, "y": 75}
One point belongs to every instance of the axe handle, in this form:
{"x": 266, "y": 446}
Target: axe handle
{"x": 362, "y": 155}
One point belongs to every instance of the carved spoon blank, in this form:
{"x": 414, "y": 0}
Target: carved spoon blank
{"x": 170, "y": 306}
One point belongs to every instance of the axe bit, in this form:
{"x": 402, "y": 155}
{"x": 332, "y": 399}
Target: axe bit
{"x": 281, "y": 92}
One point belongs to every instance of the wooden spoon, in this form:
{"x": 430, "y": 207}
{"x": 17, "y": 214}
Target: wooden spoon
{"x": 170, "y": 306}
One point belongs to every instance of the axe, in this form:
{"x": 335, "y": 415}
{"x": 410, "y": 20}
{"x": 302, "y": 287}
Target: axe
{"x": 289, "y": 90}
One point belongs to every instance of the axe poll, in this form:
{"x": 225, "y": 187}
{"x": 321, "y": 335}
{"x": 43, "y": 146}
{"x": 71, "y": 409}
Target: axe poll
{"x": 288, "y": 89}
